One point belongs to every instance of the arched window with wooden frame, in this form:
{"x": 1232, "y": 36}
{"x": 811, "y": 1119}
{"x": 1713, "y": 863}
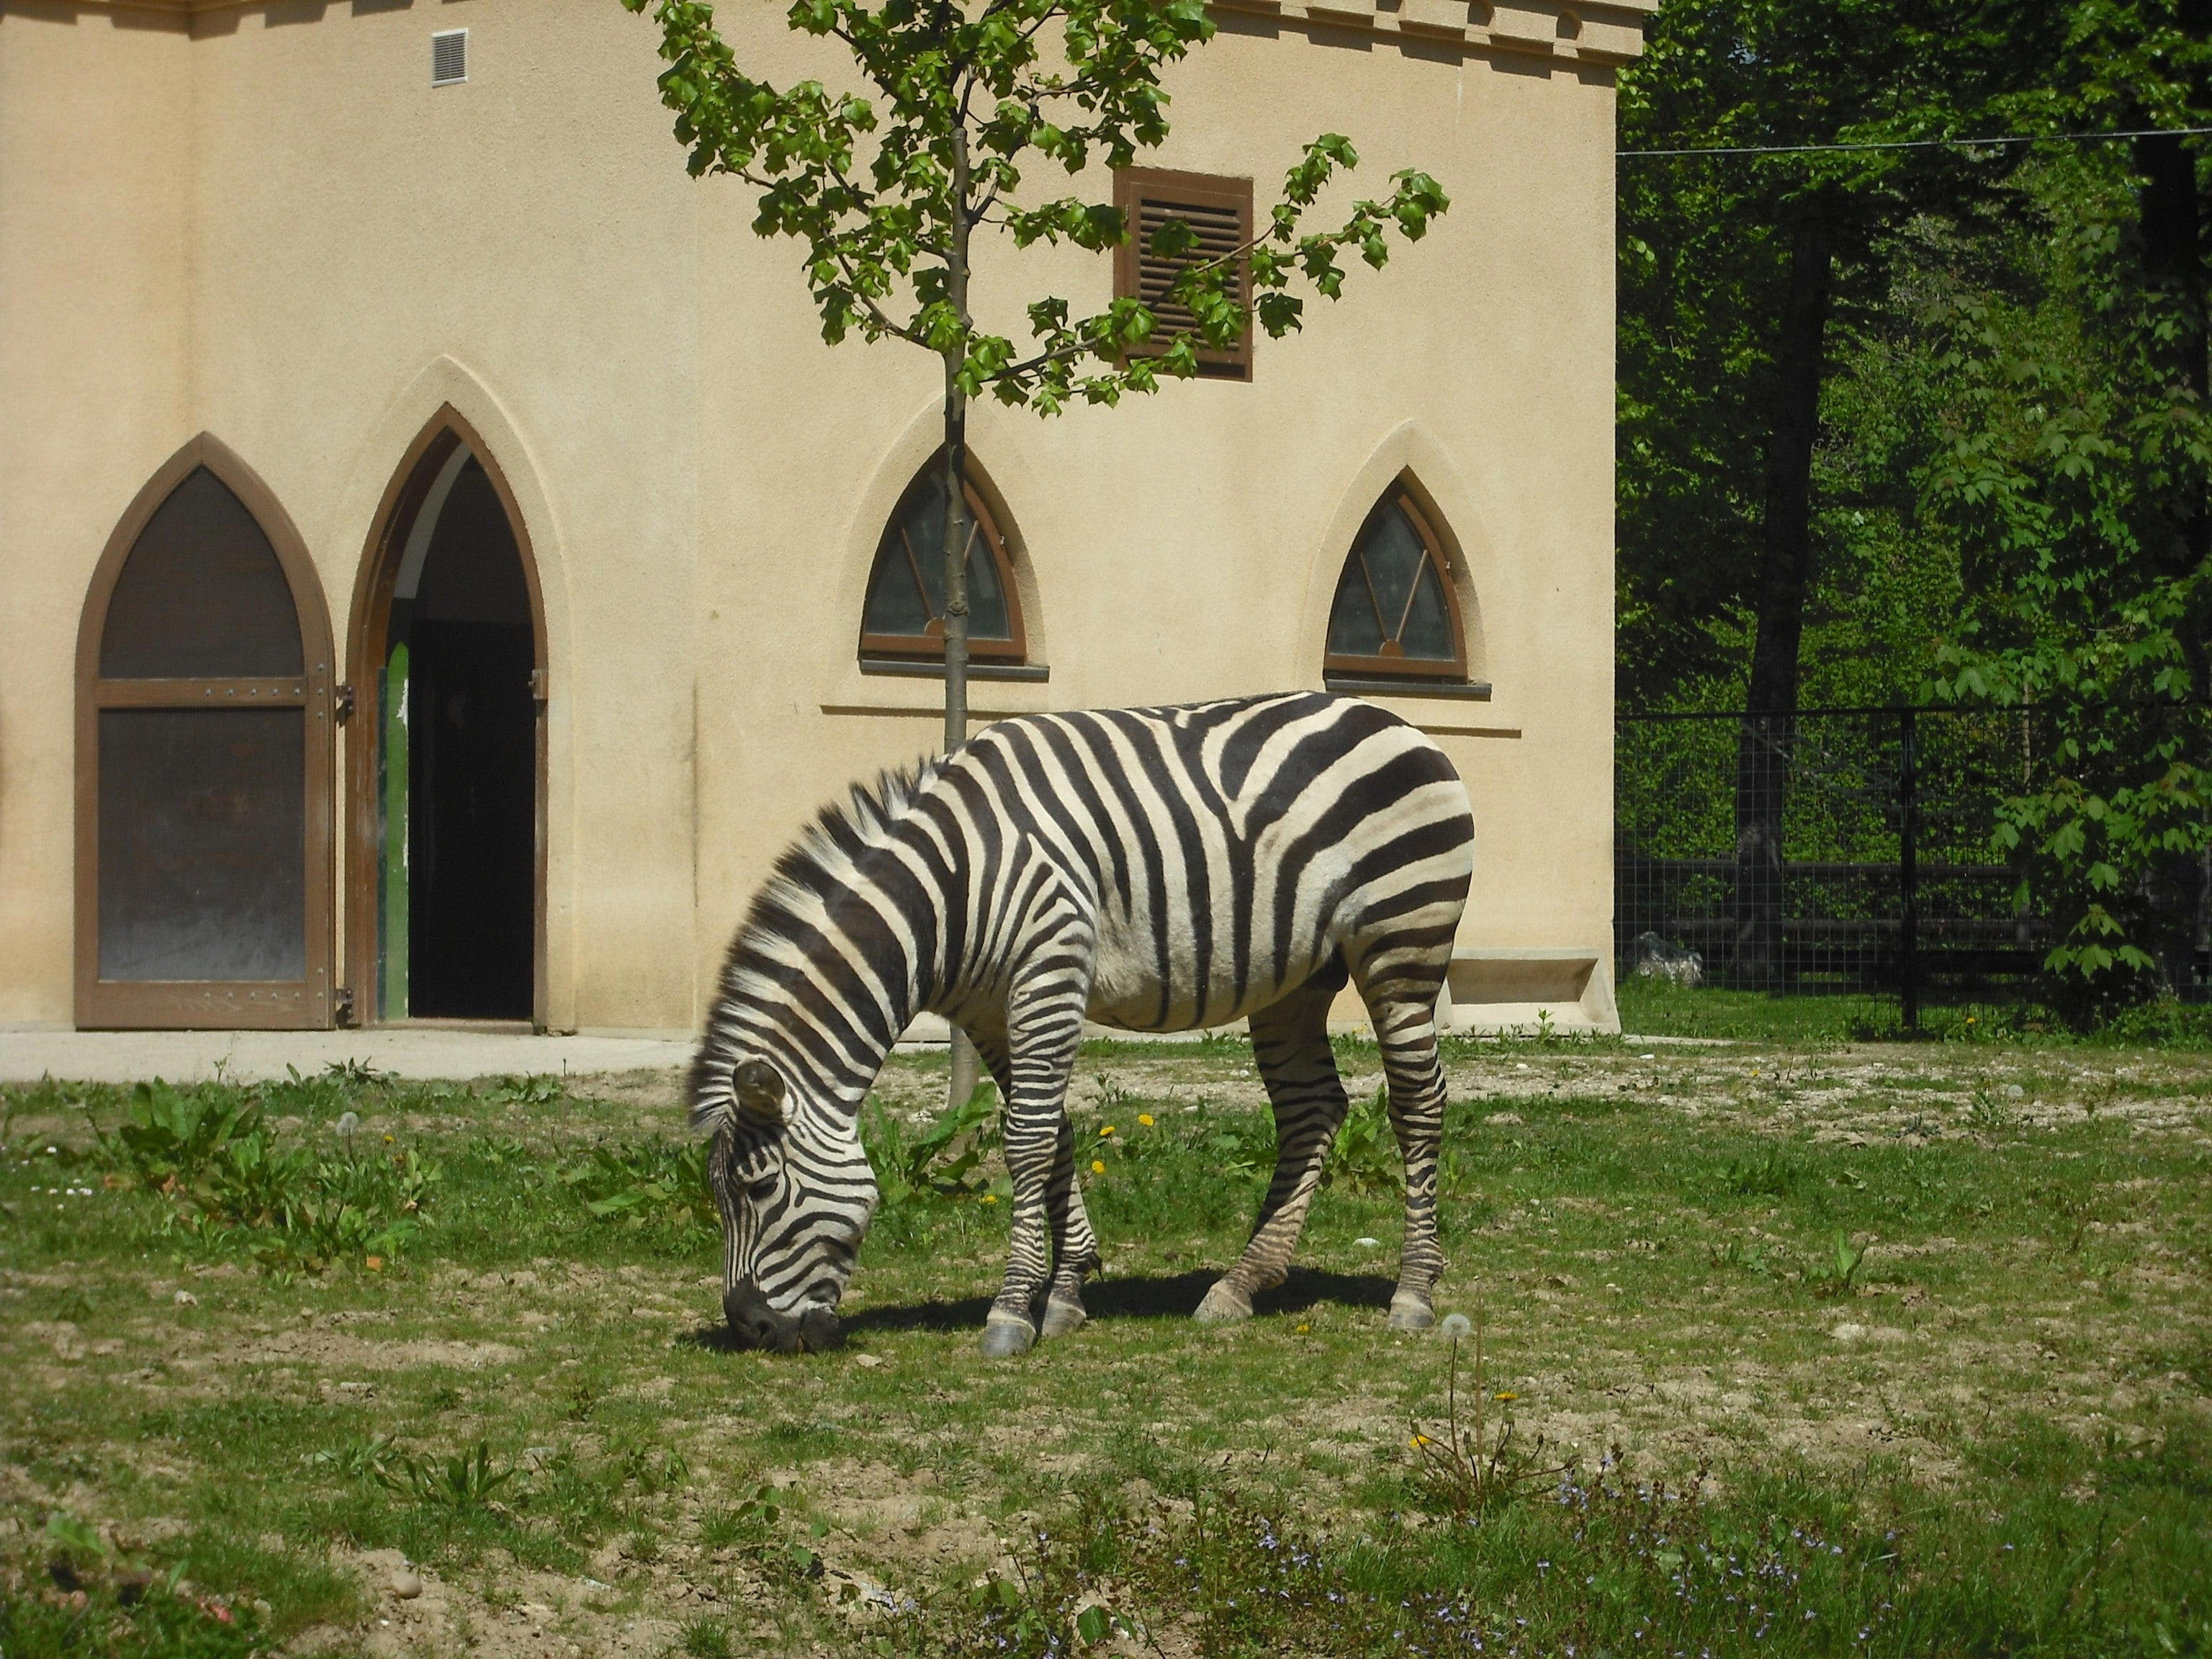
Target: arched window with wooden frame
{"x": 1396, "y": 613}
{"x": 203, "y": 832}
{"x": 902, "y": 618}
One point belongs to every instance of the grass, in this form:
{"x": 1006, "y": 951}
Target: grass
{"x": 1658, "y": 1008}
{"x": 1939, "y": 1308}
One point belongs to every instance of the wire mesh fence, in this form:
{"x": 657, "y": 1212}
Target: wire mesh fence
{"x": 1832, "y": 850}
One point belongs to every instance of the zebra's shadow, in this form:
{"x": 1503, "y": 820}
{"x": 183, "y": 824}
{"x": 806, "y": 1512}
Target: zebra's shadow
{"x": 1141, "y": 1296}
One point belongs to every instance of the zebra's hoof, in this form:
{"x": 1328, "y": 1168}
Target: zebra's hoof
{"x": 1062, "y": 1314}
{"x": 1410, "y": 1313}
{"x": 1224, "y": 1303}
{"x": 1005, "y": 1337}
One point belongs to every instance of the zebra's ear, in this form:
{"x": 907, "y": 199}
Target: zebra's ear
{"x": 759, "y": 1089}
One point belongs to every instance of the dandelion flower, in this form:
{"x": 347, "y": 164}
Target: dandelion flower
{"x": 1419, "y": 1441}
{"x": 1103, "y": 1133}
{"x": 1145, "y": 1119}
{"x": 1505, "y": 1394}
{"x": 1305, "y": 1330}
{"x": 388, "y": 1140}
{"x": 990, "y": 1198}
{"x": 1097, "y": 1167}
{"x": 1455, "y": 1327}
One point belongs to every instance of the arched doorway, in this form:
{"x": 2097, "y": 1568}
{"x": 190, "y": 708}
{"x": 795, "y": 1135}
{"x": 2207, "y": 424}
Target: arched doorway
{"x": 204, "y": 762}
{"x": 446, "y": 879}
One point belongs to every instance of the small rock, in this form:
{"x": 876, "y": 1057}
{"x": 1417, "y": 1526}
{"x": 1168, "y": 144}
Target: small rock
{"x": 186, "y": 1299}
{"x": 867, "y": 1361}
{"x": 406, "y": 1584}
{"x": 1849, "y": 1332}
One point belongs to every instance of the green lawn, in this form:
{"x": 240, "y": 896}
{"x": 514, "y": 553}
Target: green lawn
{"x": 1805, "y": 1348}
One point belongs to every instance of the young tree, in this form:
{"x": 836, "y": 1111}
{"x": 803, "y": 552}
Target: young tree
{"x": 888, "y": 182}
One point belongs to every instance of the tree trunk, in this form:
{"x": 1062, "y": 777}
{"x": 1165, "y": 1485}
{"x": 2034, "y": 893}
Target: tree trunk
{"x": 962, "y": 1083}
{"x": 1763, "y": 745}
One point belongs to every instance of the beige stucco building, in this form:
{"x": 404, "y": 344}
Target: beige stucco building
{"x": 526, "y": 420}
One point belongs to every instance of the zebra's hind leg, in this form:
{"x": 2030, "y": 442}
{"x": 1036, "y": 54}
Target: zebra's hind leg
{"x": 1290, "y": 1040}
{"x": 1074, "y": 1246}
{"x": 1401, "y": 1002}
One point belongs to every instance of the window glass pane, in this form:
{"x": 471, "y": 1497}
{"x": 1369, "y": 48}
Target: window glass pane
{"x": 987, "y": 600}
{"x": 202, "y": 595}
{"x": 1428, "y": 633}
{"x": 1352, "y": 628}
{"x": 1395, "y": 555}
{"x": 203, "y": 843}
{"x": 896, "y": 606}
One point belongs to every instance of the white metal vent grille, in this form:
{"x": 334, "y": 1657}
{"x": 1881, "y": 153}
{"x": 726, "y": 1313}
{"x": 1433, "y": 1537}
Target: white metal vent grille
{"x": 449, "y": 58}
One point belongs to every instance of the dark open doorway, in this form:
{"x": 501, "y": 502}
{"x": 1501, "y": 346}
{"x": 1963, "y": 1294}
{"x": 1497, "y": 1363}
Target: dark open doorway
{"x": 457, "y": 775}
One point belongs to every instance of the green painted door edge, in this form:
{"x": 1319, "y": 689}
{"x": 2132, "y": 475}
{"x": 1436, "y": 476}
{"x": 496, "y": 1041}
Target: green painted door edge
{"x": 392, "y": 865}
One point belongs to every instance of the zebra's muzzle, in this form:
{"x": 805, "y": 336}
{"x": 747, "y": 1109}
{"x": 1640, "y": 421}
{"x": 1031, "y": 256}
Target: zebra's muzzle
{"x": 755, "y": 1324}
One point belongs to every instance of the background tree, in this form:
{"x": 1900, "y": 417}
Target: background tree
{"x": 1735, "y": 268}
{"x": 888, "y": 181}
{"x": 2076, "y": 476}
{"x": 2003, "y": 476}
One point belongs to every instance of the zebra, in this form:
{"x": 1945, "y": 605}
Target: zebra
{"x": 1160, "y": 869}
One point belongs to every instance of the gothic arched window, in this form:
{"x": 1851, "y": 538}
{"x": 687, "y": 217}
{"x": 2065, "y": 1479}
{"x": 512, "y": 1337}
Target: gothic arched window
{"x": 1396, "y": 613}
{"x": 903, "y": 616}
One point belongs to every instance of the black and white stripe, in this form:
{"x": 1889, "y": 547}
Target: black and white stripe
{"x": 1152, "y": 869}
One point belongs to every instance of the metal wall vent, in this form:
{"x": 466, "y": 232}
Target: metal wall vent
{"x": 449, "y": 58}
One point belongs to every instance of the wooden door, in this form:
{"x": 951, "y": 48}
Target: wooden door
{"x": 204, "y": 716}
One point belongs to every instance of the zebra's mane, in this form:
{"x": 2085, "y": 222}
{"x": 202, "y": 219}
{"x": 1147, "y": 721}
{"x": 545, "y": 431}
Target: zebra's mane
{"x": 765, "y": 955}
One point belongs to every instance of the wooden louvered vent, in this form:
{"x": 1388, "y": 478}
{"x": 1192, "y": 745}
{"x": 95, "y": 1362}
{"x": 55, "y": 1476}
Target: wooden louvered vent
{"x": 1219, "y": 211}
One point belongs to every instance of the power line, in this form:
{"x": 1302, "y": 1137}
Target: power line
{"x": 1922, "y": 143}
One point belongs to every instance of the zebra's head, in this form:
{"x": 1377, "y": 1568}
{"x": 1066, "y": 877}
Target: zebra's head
{"x": 795, "y": 1206}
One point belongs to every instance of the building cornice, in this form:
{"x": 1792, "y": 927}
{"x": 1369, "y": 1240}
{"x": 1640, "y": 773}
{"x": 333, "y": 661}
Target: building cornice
{"x": 1606, "y": 34}
{"x": 1603, "y": 34}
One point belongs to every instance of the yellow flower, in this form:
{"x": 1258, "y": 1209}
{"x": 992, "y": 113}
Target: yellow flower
{"x": 388, "y": 1140}
{"x": 990, "y": 1198}
{"x": 1097, "y": 1168}
{"x": 1505, "y": 1394}
{"x": 1419, "y": 1441}
{"x": 1144, "y": 1119}
{"x": 1304, "y": 1330}
{"x": 1103, "y": 1133}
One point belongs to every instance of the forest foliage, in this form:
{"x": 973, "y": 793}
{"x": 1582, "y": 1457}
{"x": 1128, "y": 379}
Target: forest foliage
{"x": 2002, "y": 488}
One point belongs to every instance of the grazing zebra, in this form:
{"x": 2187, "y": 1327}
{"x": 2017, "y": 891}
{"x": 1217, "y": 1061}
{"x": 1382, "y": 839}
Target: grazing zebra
{"x": 1152, "y": 869}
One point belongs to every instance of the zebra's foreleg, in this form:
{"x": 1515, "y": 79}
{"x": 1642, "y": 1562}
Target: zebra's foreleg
{"x": 1407, "y": 1033}
{"x": 1290, "y": 1040}
{"x": 1074, "y": 1246}
{"x": 1044, "y": 1027}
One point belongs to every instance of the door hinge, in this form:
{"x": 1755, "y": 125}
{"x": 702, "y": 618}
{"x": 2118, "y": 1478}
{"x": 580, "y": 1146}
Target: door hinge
{"x": 341, "y": 701}
{"x": 539, "y": 686}
{"x": 342, "y": 1006}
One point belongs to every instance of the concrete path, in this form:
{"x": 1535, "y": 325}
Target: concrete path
{"x": 253, "y": 1056}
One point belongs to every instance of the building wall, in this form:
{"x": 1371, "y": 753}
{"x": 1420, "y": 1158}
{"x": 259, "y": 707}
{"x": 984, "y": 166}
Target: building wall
{"x": 299, "y": 244}
{"x": 95, "y": 286}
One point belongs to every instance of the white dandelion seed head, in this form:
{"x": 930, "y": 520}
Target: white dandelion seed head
{"x": 348, "y": 1122}
{"x": 1455, "y": 1326}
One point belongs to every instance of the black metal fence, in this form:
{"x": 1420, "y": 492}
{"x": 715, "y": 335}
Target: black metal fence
{"x": 1854, "y": 849}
